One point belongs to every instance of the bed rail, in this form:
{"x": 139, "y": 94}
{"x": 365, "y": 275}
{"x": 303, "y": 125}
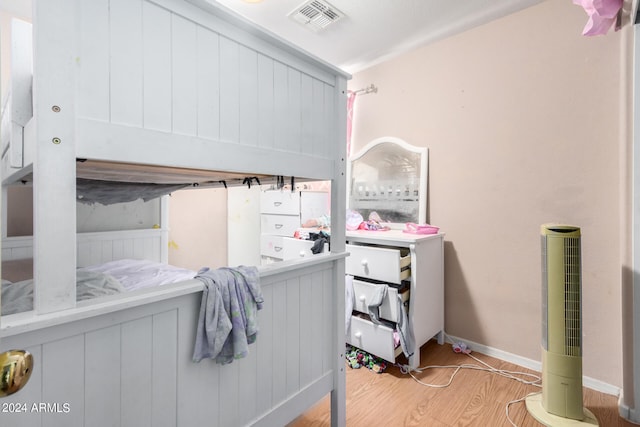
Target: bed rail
{"x": 128, "y": 361}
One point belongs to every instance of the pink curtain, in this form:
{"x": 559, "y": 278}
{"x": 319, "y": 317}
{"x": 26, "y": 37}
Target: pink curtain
{"x": 602, "y": 15}
{"x": 351, "y": 99}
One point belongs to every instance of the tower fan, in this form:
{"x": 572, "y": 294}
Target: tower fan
{"x": 560, "y": 403}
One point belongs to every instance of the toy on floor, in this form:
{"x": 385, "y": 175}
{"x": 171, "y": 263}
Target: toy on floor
{"x": 357, "y": 358}
{"x": 461, "y": 347}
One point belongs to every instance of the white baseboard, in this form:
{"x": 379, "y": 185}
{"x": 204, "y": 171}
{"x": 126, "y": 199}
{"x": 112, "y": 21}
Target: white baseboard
{"x": 535, "y": 365}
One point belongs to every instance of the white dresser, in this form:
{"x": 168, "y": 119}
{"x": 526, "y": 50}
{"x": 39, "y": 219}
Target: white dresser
{"x": 281, "y": 213}
{"x": 393, "y": 257}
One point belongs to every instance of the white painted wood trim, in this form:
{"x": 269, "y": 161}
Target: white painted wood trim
{"x": 630, "y": 408}
{"x": 534, "y": 365}
{"x": 424, "y": 168}
{"x": 30, "y": 321}
{"x": 54, "y": 84}
{"x": 338, "y": 244}
{"x": 110, "y": 142}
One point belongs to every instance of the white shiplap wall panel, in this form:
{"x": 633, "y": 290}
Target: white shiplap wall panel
{"x": 63, "y": 362}
{"x": 316, "y": 313}
{"x": 265, "y": 102}
{"x": 208, "y": 84}
{"x": 328, "y": 346}
{"x": 164, "y": 369}
{"x": 306, "y": 114}
{"x": 126, "y": 62}
{"x": 280, "y": 346}
{"x": 293, "y": 110}
{"x": 103, "y": 363}
{"x": 247, "y": 382}
{"x": 184, "y": 79}
{"x": 156, "y": 33}
{"x": 280, "y": 105}
{"x": 136, "y": 373}
{"x": 248, "y": 94}
{"x": 134, "y": 367}
{"x": 292, "y": 331}
{"x": 264, "y": 352}
{"x": 306, "y": 338}
{"x": 230, "y": 399}
{"x": 319, "y": 124}
{"x": 329, "y": 114}
{"x": 229, "y": 90}
{"x": 93, "y": 76}
{"x": 199, "y": 381}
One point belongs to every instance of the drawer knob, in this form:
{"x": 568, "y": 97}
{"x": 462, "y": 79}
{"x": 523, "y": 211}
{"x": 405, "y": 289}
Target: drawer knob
{"x": 277, "y": 248}
{"x": 364, "y": 262}
{"x": 358, "y": 335}
{"x": 301, "y": 254}
{"x": 362, "y": 298}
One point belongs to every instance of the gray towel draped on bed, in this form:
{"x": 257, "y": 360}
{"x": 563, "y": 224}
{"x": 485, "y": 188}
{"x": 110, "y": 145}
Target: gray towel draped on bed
{"x": 228, "y": 320}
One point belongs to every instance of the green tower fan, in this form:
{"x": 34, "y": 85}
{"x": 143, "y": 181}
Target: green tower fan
{"x": 560, "y": 403}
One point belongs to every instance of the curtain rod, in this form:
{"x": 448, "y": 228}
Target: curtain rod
{"x": 369, "y": 89}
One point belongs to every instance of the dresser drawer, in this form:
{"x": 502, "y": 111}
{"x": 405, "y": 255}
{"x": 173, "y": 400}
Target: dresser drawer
{"x": 271, "y": 246}
{"x": 298, "y": 248}
{"x": 280, "y": 202}
{"x": 280, "y": 225}
{"x": 384, "y": 264}
{"x": 363, "y": 293}
{"x": 373, "y": 338}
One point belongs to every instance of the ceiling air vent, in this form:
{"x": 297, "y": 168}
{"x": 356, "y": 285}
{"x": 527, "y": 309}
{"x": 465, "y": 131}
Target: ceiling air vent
{"x": 316, "y": 15}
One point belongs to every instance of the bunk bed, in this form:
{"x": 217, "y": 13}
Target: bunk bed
{"x": 147, "y": 91}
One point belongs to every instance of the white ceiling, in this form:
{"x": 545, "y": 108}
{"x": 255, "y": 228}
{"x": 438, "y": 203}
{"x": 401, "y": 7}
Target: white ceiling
{"x": 372, "y": 30}
{"x": 375, "y": 30}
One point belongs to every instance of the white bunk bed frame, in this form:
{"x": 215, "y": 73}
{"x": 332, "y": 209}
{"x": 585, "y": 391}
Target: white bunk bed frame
{"x": 181, "y": 84}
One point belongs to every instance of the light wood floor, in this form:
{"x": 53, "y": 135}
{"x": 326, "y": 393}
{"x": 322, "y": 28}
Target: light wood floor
{"x": 475, "y": 398}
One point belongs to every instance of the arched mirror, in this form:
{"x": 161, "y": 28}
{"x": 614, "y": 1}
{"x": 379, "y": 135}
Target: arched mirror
{"x": 389, "y": 176}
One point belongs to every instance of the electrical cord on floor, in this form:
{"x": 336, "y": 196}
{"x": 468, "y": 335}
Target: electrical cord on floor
{"x": 522, "y": 377}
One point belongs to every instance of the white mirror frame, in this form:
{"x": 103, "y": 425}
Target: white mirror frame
{"x": 423, "y": 152}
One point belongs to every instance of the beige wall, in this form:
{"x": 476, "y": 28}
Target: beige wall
{"x": 525, "y": 122}
{"x": 198, "y": 228}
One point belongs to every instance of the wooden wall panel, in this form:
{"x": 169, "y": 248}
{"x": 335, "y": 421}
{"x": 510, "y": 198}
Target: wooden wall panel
{"x": 184, "y": 77}
{"x": 280, "y": 344}
{"x": 319, "y": 125}
{"x": 293, "y": 108}
{"x": 328, "y": 345}
{"x": 292, "y": 332}
{"x": 126, "y": 69}
{"x": 229, "y": 90}
{"x": 248, "y": 94}
{"x": 306, "y": 114}
{"x": 280, "y": 103}
{"x": 305, "y": 304}
{"x": 157, "y": 54}
{"x": 267, "y": 338}
{"x": 208, "y": 84}
{"x": 148, "y": 67}
{"x": 164, "y": 369}
{"x": 136, "y": 373}
{"x": 317, "y": 330}
{"x": 116, "y": 371}
{"x": 266, "y": 112}
{"x": 93, "y": 77}
{"x": 63, "y": 368}
{"x": 102, "y": 380}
